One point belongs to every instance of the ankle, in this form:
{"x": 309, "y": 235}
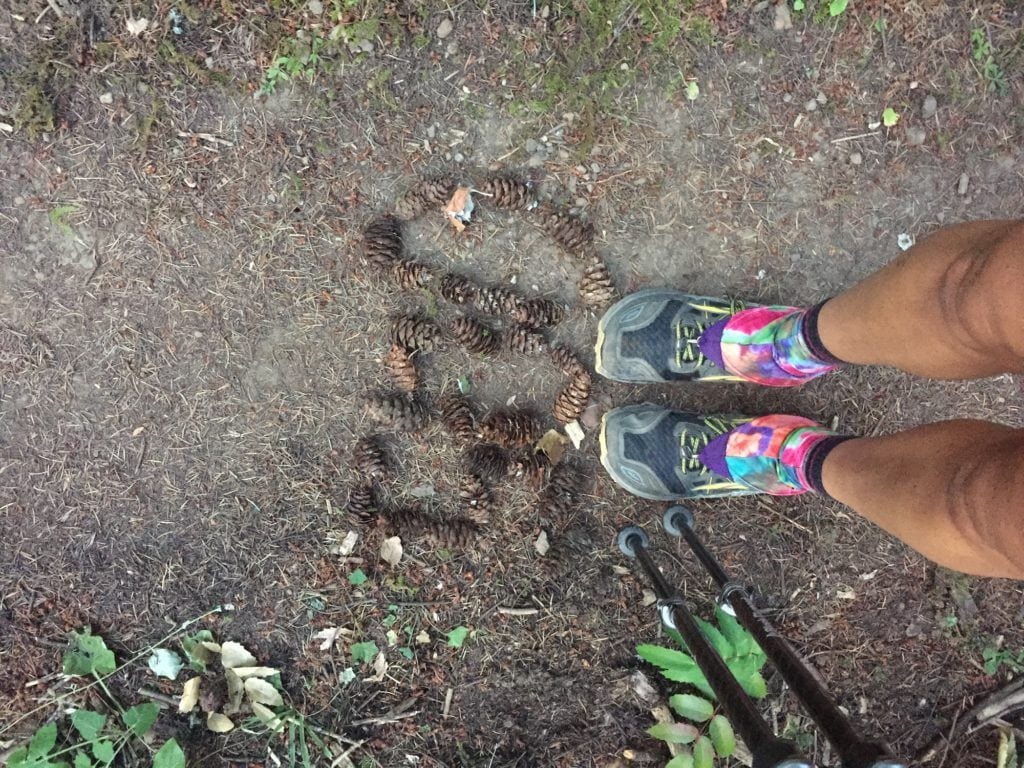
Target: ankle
{"x": 774, "y": 346}
{"x": 778, "y": 454}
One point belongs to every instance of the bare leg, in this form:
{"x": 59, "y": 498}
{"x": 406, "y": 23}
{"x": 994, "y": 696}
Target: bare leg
{"x": 951, "y": 307}
{"x": 954, "y": 491}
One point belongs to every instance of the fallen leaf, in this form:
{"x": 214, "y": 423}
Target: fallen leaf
{"x": 262, "y": 692}
{"x": 210, "y": 646}
{"x": 219, "y": 723}
{"x": 425, "y": 491}
{"x": 649, "y": 598}
{"x": 541, "y": 544}
{"x": 165, "y": 663}
{"x": 552, "y": 444}
{"x": 329, "y": 636}
{"x": 137, "y": 26}
{"x": 391, "y": 550}
{"x": 392, "y": 637}
{"x": 380, "y": 667}
{"x": 244, "y": 672}
{"x": 459, "y": 208}
{"x": 347, "y": 675}
{"x": 189, "y": 695}
{"x": 235, "y": 690}
{"x": 267, "y": 716}
{"x": 575, "y": 433}
{"x": 423, "y": 637}
{"x": 348, "y": 544}
{"x": 234, "y": 654}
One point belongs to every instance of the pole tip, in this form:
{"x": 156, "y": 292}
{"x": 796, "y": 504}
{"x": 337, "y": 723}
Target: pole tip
{"x": 676, "y": 518}
{"x": 630, "y": 538}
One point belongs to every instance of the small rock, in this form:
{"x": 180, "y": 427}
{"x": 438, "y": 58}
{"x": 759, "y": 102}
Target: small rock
{"x": 783, "y": 20}
{"x": 856, "y": 158}
{"x": 315, "y": 7}
{"x": 929, "y": 107}
{"x": 532, "y": 146}
{"x": 458, "y": 157}
{"x": 537, "y": 160}
{"x": 811, "y": 105}
{"x": 106, "y": 98}
{"x": 786, "y": 98}
{"x": 916, "y": 136}
{"x": 961, "y": 186}
{"x": 444, "y": 29}
{"x": 914, "y": 629}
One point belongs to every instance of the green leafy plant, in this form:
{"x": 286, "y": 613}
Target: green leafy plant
{"x": 836, "y": 7}
{"x": 59, "y": 218}
{"x": 297, "y": 58}
{"x": 984, "y": 57}
{"x": 458, "y": 636}
{"x": 995, "y": 658}
{"x": 890, "y": 117}
{"x": 94, "y": 739}
{"x": 707, "y": 733}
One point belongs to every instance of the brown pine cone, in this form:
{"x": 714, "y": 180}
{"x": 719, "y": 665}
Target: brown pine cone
{"x": 487, "y": 461}
{"x": 565, "y": 552}
{"x": 427, "y": 193}
{"x": 397, "y": 410}
{"x": 410, "y": 275}
{"x": 531, "y": 467}
{"x": 572, "y": 400}
{"x": 474, "y": 335}
{"x": 362, "y": 504}
{"x": 477, "y": 499}
{"x": 510, "y": 427}
{"x": 382, "y": 241}
{"x": 401, "y": 368}
{"x": 412, "y": 524}
{"x": 570, "y": 232}
{"x": 566, "y": 361}
{"x": 497, "y": 300}
{"x": 458, "y": 289}
{"x": 415, "y": 333}
{"x": 503, "y": 191}
{"x": 369, "y": 458}
{"x": 457, "y": 417}
{"x": 538, "y": 313}
{"x": 596, "y": 287}
{"x": 568, "y": 480}
{"x": 524, "y": 340}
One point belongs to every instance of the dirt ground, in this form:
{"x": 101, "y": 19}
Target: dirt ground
{"x": 187, "y": 335}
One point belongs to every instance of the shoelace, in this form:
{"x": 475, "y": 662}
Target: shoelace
{"x": 688, "y": 334}
{"x": 691, "y": 445}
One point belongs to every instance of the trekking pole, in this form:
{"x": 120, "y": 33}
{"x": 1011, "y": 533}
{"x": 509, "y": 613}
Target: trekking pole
{"x": 854, "y": 751}
{"x": 767, "y": 749}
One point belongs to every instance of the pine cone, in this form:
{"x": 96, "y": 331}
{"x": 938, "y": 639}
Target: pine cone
{"x": 474, "y": 335}
{"x": 510, "y": 428}
{"x": 398, "y": 410}
{"x": 455, "y": 533}
{"x": 427, "y": 193}
{"x": 559, "y": 498}
{"x": 531, "y": 467}
{"x": 508, "y": 192}
{"x": 362, "y": 504}
{"x": 410, "y": 274}
{"x": 458, "y": 289}
{"x": 572, "y": 400}
{"x": 487, "y": 461}
{"x": 596, "y": 286}
{"x": 477, "y": 499}
{"x": 415, "y": 333}
{"x": 457, "y": 417}
{"x": 570, "y": 232}
{"x": 524, "y": 340}
{"x": 564, "y": 552}
{"x": 369, "y": 458}
{"x": 382, "y": 241}
{"x": 497, "y": 300}
{"x": 566, "y": 361}
{"x": 538, "y": 313}
{"x": 401, "y": 369}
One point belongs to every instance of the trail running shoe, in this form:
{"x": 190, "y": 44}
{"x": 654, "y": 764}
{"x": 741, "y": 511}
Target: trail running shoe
{"x": 654, "y": 452}
{"x": 651, "y": 337}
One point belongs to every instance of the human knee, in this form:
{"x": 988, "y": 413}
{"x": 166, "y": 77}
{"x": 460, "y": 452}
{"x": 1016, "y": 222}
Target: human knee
{"x": 985, "y": 496}
{"x": 981, "y": 294}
